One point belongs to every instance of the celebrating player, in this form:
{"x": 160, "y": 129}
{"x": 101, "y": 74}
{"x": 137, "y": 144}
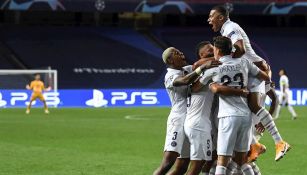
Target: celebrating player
{"x": 176, "y": 83}
{"x": 197, "y": 124}
{"x": 284, "y": 94}
{"x": 219, "y": 19}
{"x": 234, "y": 114}
{"x": 37, "y": 86}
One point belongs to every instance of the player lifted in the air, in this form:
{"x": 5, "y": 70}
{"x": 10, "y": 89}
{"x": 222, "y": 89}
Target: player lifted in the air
{"x": 219, "y": 19}
{"x": 234, "y": 115}
{"x": 37, "y": 86}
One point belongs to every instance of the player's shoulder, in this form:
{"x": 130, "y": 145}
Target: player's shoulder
{"x": 284, "y": 77}
{"x": 188, "y": 68}
{"x": 231, "y": 26}
{"x": 213, "y": 71}
{"x": 170, "y": 72}
{"x": 171, "y": 75}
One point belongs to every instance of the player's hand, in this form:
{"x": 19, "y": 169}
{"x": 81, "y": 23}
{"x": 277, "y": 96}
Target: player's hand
{"x": 245, "y": 92}
{"x": 28, "y": 87}
{"x": 210, "y": 64}
{"x": 201, "y": 62}
{"x": 260, "y": 128}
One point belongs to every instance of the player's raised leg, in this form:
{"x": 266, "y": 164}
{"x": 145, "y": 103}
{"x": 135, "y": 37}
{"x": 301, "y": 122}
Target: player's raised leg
{"x": 267, "y": 120}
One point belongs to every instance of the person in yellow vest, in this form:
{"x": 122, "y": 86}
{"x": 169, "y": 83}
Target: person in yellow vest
{"x": 37, "y": 86}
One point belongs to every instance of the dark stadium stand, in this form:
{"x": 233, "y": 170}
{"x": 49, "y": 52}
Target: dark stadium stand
{"x": 109, "y": 57}
{"x": 282, "y": 48}
{"x": 89, "y": 57}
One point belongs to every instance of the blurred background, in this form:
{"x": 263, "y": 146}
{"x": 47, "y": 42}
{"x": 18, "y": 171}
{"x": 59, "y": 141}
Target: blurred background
{"x": 117, "y": 44}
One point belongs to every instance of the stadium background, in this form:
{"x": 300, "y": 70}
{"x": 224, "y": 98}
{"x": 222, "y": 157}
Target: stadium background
{"x": 108, "y": 54}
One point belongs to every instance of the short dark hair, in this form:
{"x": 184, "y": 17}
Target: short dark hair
{"x": 199, "y": 46}
{"x": 222, "y": 10}
{"x": 224, "y": 44}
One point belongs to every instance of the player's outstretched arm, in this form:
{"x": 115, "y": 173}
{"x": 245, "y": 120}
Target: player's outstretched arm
{"x": 201, "y": 62}
{"x": 28, "y": 87}
{"x": 191, "y": 77}
{"x": 228, "y": 91}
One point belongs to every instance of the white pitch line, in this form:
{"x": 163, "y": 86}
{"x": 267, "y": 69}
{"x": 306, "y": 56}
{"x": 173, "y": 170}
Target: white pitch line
{"x": 138, "y": 117}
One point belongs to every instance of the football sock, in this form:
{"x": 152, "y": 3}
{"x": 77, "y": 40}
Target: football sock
{"x": 255, "y": 168}
{"x": 247, "y": 169}
{"x": 269, "y": 124}
{"x": 220, "y": 170}
{"x": 291, "y": 110}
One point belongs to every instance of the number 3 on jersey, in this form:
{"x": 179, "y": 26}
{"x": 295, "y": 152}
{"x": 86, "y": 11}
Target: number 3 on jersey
{"x": 237, "y": 78}
{"x": 175, "y": 136}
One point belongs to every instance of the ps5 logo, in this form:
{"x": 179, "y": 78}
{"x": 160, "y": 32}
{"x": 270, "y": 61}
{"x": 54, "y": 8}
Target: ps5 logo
{"x": 147, "y": 98}
{"x": 144, "y": 98}
{"x": 98, "y": 99}
{"x": 2, "y": 102}
{"x": 52, "y": 98}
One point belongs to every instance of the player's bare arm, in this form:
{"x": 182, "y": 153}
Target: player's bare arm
{"x": 240, "y": 49}
{"x": 201, "y": 62}
{"x": 228, "y": 91}
{"x": 263, "y": 76}
{"x": 264, "y": 67}
{"x": 191, "y": 77}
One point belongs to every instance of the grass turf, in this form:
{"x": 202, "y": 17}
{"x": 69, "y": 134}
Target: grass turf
{"x": 103, "y": 141}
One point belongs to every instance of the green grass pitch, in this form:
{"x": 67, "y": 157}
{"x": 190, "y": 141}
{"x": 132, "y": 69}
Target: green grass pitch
{"x": 104, "y": 142}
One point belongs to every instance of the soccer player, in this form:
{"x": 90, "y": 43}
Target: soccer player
{"x": 284, "y": 94}
{"x": 37, "y": 86}
{"x": 204, "y": 51}
{"x": 197, "y": 125}
{"x": 219, "y": 19}
{"x": 234, "y": 114}
{"x": 176, "y": 83}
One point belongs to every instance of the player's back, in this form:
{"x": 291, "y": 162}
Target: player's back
{"x": 234, "y": 73}
{"x": 235, "y": 32}
{"x": 37, "y": 86}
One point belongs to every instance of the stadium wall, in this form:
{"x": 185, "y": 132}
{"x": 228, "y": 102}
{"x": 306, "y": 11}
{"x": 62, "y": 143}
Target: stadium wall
{"x": 97, "y": 98}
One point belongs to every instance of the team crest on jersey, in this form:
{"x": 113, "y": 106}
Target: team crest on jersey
{"x": 230, "y": 34}
{"x": 208, "y": 153}
{"x": 174, "y": 143}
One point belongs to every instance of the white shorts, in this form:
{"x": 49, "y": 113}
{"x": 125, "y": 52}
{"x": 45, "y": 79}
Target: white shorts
{"x": 234, "y": 135}
{"x": 256, "y": 85}
{"x": 176, "y": 140}
{"x": 200, "y": 144}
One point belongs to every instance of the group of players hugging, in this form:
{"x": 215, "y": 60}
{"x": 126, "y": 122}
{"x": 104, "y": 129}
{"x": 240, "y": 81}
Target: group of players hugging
{"x": 218, "y": 113}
